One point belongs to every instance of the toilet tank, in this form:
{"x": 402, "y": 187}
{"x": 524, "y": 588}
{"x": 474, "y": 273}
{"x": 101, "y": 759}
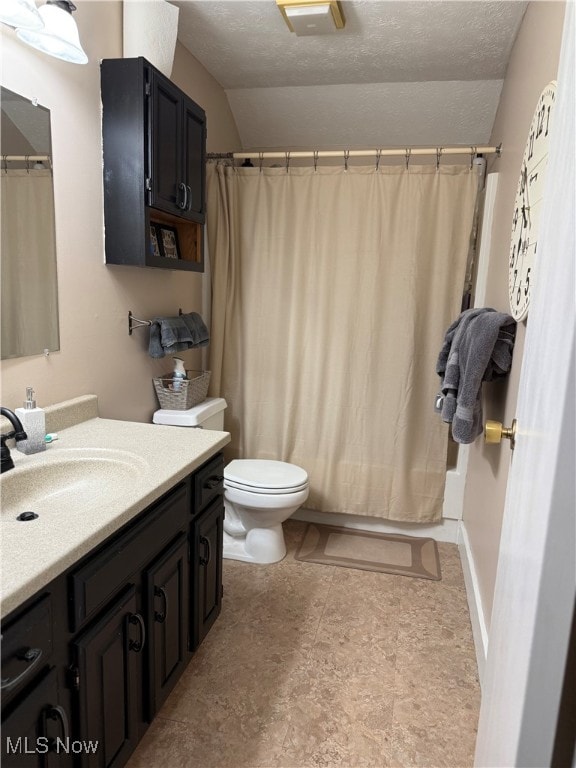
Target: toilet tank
{"x": 209, "y": 414}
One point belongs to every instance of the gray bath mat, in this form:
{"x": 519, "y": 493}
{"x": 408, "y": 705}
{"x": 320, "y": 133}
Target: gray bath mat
{"x": 386, "y": 553}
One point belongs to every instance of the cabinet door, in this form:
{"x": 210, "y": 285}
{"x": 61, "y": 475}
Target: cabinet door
{"x": 168, "y": 188}
{"x": 194, "y": 159}
{"x": 109, "y": 668}
{"x": 207, "y": 589}
{"x": 36, "y": 733}
{"x": 167, "y": 613}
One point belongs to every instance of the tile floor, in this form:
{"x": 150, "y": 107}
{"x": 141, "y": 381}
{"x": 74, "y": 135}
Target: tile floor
{"x": 314, "y": 665}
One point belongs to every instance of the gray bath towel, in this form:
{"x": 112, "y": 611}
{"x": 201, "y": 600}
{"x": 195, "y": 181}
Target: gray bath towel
{"x": 169, "y": 335}
{"x": 477, "y": 347}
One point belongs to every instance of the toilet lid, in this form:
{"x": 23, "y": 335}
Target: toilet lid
{"x": 264, "y": 476}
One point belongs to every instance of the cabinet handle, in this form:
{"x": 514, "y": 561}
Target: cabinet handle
{"x": 183, "y": 205}
{"x": 137, "y": 646}
{"x": 161, "y": 617}
{"x": 207, "y": 551}
{"x": 33, "y": 655}
{"x": 213, "y": 482}
{"x": 189, "y": 197}
{"x": 59, "y": 713}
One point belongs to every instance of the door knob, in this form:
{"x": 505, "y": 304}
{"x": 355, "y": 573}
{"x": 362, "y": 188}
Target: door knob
{"x": 494, "y": 431}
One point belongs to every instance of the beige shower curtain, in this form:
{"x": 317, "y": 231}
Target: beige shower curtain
{"x": 331, "y": 292}
{"x": 28, "y": 266}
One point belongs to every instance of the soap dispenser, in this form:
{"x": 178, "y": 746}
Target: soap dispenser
{"x": 34, "y": 422}
{"x": 179, "y": 374}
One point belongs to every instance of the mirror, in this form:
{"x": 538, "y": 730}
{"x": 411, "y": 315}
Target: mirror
{"x": 29, "y": 291}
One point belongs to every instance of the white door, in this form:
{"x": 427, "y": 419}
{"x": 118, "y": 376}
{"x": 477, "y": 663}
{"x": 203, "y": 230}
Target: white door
{"x": 535, "y": 583}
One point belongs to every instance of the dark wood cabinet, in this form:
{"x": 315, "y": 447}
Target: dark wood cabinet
{"x": 87, "y": 662}
{"x": 208, "y": 530}
{"x": 108, "y": 679}
{"x": 167, "y": 589}
{"x": 206, "y": 539}
{"x": 154, "y": 144}
{"x": 177, "y": 145}
{"x": 36, "y": 732}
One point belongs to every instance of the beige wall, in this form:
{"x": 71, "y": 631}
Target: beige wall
{"x": 534, "y": 62}
{"x": 97, "y": 355}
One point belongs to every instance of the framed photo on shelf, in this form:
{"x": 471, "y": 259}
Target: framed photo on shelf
{"x": 154, "y": 244}
{"x": 168, "y": 241}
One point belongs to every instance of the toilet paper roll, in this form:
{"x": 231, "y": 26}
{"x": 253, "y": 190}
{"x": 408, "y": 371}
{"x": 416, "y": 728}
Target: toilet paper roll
{"x": 150, "y": 30}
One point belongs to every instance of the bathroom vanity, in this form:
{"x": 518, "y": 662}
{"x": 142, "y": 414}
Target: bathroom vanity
{"x": 98, "y": 626}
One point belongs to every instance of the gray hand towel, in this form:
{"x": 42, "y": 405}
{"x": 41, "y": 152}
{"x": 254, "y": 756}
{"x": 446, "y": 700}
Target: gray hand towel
{"x": 197, "y": 328}
{"x": 169, "y": 335}
{"x": 477, "y": 347}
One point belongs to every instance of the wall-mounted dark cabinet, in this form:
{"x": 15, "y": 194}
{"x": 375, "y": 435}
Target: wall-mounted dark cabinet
{"x": 154, "y": 143}
{"x": 93, "y": 656}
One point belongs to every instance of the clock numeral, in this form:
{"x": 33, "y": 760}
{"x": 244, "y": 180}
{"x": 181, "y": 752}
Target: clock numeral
{"x": 519, "y": 296}
{"x": 527, "y": 287}
{"x": 524, "y": 173}
{"x": 547, "y": 121}
{"x": 541, "y": 119}
{"x": 530, "y": 153}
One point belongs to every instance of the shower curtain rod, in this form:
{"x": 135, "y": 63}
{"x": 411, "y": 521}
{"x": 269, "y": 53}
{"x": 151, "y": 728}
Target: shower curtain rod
{"x": 406, "y": 152}
{"x": 24, "y": 158}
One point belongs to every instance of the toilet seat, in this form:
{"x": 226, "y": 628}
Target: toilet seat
{"x": 262, "y": 476}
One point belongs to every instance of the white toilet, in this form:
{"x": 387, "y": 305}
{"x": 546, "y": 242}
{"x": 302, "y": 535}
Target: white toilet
{"x": 259, "y": 494}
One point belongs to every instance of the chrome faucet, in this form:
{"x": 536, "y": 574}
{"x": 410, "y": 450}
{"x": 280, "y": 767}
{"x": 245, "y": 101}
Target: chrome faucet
{"x": 6, "y": 462}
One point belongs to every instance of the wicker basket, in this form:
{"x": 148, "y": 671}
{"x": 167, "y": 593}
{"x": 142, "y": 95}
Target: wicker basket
{"x": 190, "y": 391}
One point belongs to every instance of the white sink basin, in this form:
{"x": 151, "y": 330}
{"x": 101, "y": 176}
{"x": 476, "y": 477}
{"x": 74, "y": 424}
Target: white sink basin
{"x": 68, "y": 481}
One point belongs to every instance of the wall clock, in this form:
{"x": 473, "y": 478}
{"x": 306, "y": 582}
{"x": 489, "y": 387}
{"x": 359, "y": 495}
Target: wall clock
{"x": 528, "y": 205}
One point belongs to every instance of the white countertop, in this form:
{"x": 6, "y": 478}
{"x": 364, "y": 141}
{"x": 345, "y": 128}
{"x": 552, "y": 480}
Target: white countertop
{"x": 35, "y": 552}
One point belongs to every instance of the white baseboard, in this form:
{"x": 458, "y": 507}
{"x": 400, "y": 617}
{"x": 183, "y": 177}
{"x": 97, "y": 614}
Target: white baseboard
{"x": 479, "y": 629}
{"x": 444, "y": 530}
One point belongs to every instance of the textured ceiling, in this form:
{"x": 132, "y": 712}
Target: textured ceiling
{"x": 399, "y": 73}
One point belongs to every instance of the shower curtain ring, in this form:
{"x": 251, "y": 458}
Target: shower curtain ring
{"x": 346, "y": 156}
{"x": 315, "y": 159}
{"x": 438, "y": 153}
{"x": 408, "y": 153}
{"x": 378, "y": 156}
{"x": 473, "y": 153}
{"x": 5, "y": 161}
{"x": 260, "y": 160}
{"x": 287, "y": 160}
{"x": 27, "y": 161}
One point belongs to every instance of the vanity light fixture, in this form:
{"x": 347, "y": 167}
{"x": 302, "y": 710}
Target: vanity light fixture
{"x": 59, "y": 37}
{"x": 20, "y": 13}
{"x": 312, "y": 17}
